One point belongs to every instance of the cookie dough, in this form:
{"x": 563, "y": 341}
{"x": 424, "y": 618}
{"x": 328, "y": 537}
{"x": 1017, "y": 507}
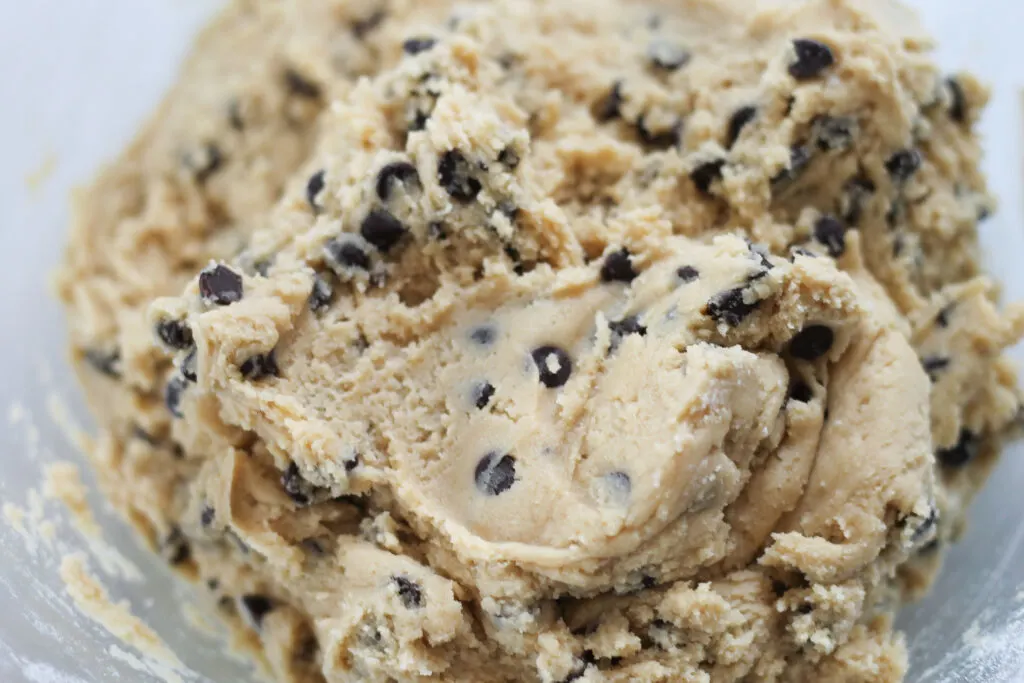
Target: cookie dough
{"x": 506, "y": 341}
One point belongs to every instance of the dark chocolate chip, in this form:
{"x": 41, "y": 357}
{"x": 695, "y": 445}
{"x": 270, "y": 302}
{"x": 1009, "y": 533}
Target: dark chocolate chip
{"x": 351, "y": 463}
{"x": 737, "y": 122}
{"x": 396, "y": 173}
{"x": 104, "y": 362}
{"x": 903, "y": 164}
{"x": 730, "y": 307}
{"x": 362, "y": 27}
{"x": 174, "y": 333}
{"x": 620, "y": 329}
{"x": 799, "y": 157}
{"x": 857, "y": 192}
{"x": 259, "y": 367}
{"x": 207, "y": 516}
{"x": 297, "y": 488}
{"x": 779, "y": 588}
{"x": 482, "y": 394}
{"x": 418, "y": 121}
{"x": 618, "y": 267}
{"x": 611, "y": 106}
{"x": 300, "y": 86}
{"x": 834, "y": 133}
{"x": 800, "y": 391}
{"x": 663, "y": 139}
{"x": 554, "y": 366}
{"x": 322, "y": 294}
{"x": 314, "y": 187}
{"x": 176, "y": 547}
{"x": 495, "y": 473}
{"x": 925, "y": 528}
{"x": 454, "y": 173}
{"x": 484, "y": 335}
{"x": 942, "y": 319}
{"x": 414, "y": 46}
{"x": 205, "y": 162}
{"x": 958, "y": 101}
{"x": 934, "y": 365}
{"x": 648, "y": 581}
{"x": 706, "y": 174}
{"x": 687, "y": 274}
{"x": 509, "y": 157}
{"x": 813, "y": 342}
{"x": 344, "y": 252}
{"x": 805, "y": 609}
{"x": 831, "y": 232}
{"x": 965, "y": 450}
{"x": 219, "y": 285}
{"x": 258, "y": 606}
{"x": 812, "y": 58}
{"x": 667, "y": 55}
{"x": 173, "y": 394}
{"x": 189, "y": 366}
{"x": 381, "y": 229}
{"x": 409, "y": 591}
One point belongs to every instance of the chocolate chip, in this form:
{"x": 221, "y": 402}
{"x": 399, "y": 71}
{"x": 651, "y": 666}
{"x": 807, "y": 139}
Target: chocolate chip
{"x": 414, "y": 46}
{"x": 300, "y": 86}
{"x": 396, "y": 173}
{"x": 418, "y": 121}
{"x": 801, "y": 392}
{"x": 813, "y": 342}
{"x": 362, "y": 27}
{"x": 687, "y": 274}
{"x": 205, "y": 162}
{"x": 730, "y": 307}
{"x": 618, "y": 267}
{"x": 812, "y": 58}
{"x": 706, "y": 174}
{"x": 351, "y": 463}
{"x": 934, "y": 365}
{"x": 484, "y": 335}
{"x": 834, "y": 133}
{"x": 259, "y": 367}
{"x": 454, "y": 173}
{"x": 799, "y": 157}
{"x": 611, "y": 106}
{"x": 554, "y": 365}
{"x": 903, "y": 164}
{"x": 219, "y": 285}
{"x": 314, "y": 187}
{"x": 322, "y": 294}
{"x": 805, "y": 609}
{"x": 174, "y": 393}
{"x": 297, "y": 488}
{"x": 495, "y": 473}
{"x": 648, "y": 582}
{"x": 207, "y": 516}
{"x": 258, "y": 606}
{"x": 344, "y": 252}
{"x": 176, "y": 548}
{"x": 667, "y": 55}
{"x": 381, "y": 229}
{"x": 104, "y": 362}
{"x": 482, "y": 394}
{"x": 779, "y": 588}
{"x": 620, "y": 329}
{"x": 663, "y": 139}
{"x": 189, "y": 363}
{"x": 942, "y": 319}
{"x": 830, "y": 231}
{"x": 174, "y": 334}
{"x": 409, "y": 591}
{"x": 737, "y": 122}
{"x": 857, "y": 192}
{"x": 965, "y": 450}
{"x": 925, "y": 528}
{"x": 509, "y": 157}
{"x": 958, "y": 101}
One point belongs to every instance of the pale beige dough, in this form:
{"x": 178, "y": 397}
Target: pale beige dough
{"x": 625, "y": 344}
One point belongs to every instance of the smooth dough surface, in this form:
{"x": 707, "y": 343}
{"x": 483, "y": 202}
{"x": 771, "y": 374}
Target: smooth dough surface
{"x": 523, "y": 341}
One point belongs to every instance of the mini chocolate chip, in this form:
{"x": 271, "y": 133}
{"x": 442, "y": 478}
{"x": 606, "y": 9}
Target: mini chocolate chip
{"x": 381, "y": 229}
{"x": 830, "y": 231}
{"x": 965, "y": 450}
{"x": 258, "y": 606}
{"x": 737, "y": 122}
{"x": 832, "y": 133}
{"x": 800, "y": 391}
{"x": 351, "y": 463}
{"x": 219, "y": 285}
{"x": 259, "y": 367}
{"x": 516, "y": 258}
{"x": 344, "y": 252}
{"x": 706, "y": 174}
{"x": 189, "y": 366}
{"x": 730, "y": 306}
{"x": 173, "y": 394}
{"x": 175, "y": 334}
{"x": 207, "y": 516}
{"x": 454, "y": 174}
{"x": 104, "y": 362}
{"x": 314, "y": 187}
{"x": 687, "y": 274}
{"x": 484, "y": 335}
{"x": 495, "y": 473}
{"x": 942, "y": 319}
{"x": 925, "y": 527}
{"x": 620, "y": 329}
{"x": 667, "y": 55}
{"x": 409, "y": 591}
{"x": 779, "y": 588}
{"x": 414, "y": 46}
{"x": 812, "y": 58}
{"x": 799, "y": 157}
{"x": 805, "y": 609}
{"x": 663, "y": 139}
{"x": 205, "y": 162}
{"x": 611, "y": 106}
{"x": 648, "y": 582}
{"x": 300, "y": 86}
{"x": 958, "y": 101}
{"x": 297, "y": 488}
{"x": 509, "y": 157}
{"x": 857, "y": 192}
{"x": 934, "y": 365}
{"x": 813, "y": 342}
{"x": 396, "y": 173}
{"x": 618, "y": 267}
{"x": 176, "y": 547}
{"x": 418, "y": 121}
{"x": 554, "y": 366}
{"x": 362, "y": 27}
{"x": 482, "y": 394}
{"x": 322, "y": 294}
{"x": 903, "y": 164}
